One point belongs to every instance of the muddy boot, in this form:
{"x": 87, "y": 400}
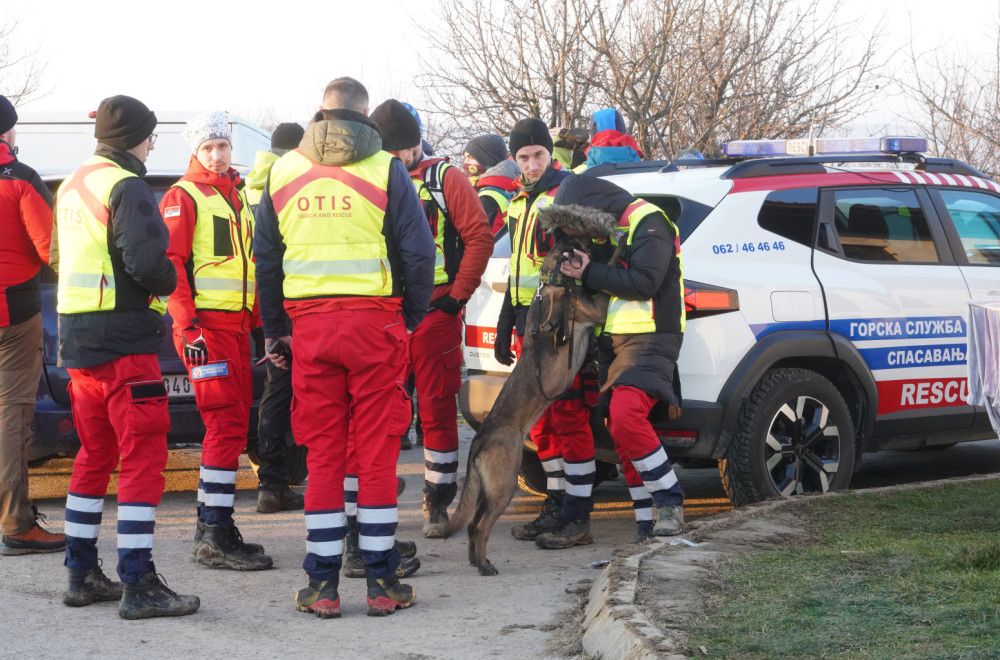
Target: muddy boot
{"x": 566, "y": 535}
{"x": 406, "y": 549}
{"x": 435, "y": 517}
{"x": 150, "y": 597}
{"x": 86, "y": 587}
{"x": 387, "y": 595}
{"x": 645, "y": 532}
{"x": 272, "y": 501}
{"x": 33, "y": 541}
{"x": 354, "y": 566}
{"x": 546, "y": 521}
{"x": 407, "y": 567}
{"x": 670, "y": 521}
{"x": 199, "y": 533}
{"x": 320, "y": 598}
{"x": 223, "y": 547}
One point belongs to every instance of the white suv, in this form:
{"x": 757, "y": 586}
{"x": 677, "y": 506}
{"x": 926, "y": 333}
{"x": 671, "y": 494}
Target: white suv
{"x": 827, "y": 308}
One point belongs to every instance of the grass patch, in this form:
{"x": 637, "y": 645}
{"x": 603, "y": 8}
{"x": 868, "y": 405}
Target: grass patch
{"x": 908, "y": 574}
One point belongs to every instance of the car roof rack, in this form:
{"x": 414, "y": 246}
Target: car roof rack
{"x": 608, "y": 169}
{"x": 816, "y": 165}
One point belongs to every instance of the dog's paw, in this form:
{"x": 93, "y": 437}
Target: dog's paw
{"x": 487, "y": 569}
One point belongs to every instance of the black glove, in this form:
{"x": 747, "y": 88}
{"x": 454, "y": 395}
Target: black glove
{"x": 195, "y": 349}
{"x": 505, "y": 327}
{"x": 449, "y": 305}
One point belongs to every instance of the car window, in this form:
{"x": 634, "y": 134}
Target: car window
{"x": 790, "y": 213}
{"x": 883, "y": 225}
{"x": 684, "y": 213}
{"x": 501, "y": 244}
{"x": 976, "y": 217}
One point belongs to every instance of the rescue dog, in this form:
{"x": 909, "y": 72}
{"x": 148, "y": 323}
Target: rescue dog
{"x": 560, "y": 323}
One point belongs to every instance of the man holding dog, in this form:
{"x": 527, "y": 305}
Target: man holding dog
{"x": 641, "y": 338}
{"x": 563, "y": 436}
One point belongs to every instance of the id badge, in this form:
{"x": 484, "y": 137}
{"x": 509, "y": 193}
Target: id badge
{"x": 210, "y": 371}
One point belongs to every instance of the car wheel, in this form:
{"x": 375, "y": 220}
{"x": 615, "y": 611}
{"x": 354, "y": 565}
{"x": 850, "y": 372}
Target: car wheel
{"x": 531, "y": 478}
{"x": 794, "y": 435}
{"x": 299, "y": 469}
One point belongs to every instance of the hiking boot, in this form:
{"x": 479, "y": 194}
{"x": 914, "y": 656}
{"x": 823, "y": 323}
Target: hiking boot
{"x": 199, "y": 533}
{"x": 405, "y": 442}
{"x": 223, "y": 547}
{"x": 319, "y": 598}
{"x": 670, "y": 521}
{"x": 566, "y": 535}
{"x": 546, "y": 521}
{"x": 435, "y": 517}
{"x": 272, "y": 501}
{"x": 353, "y": 565}
{"x": 406, "y": 549}
{"x": 386, "y": 595}
{"x": 644, "y": 533}
{"x": 150, "y": 597}
{"x": 35, "y": 540}
{"x": 90, "y": 586}
{"x": 407, "y": 567}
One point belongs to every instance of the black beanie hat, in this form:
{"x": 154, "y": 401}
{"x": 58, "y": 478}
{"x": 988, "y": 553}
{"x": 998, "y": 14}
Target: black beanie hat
{"x": 287, "y": 136}
{"x": 488, "y": 149}
{"x": 530, "y": 131}
{"x": 8, "y": 115}
{"x": 123, "y": 122}
{"x": 399, "y": 128}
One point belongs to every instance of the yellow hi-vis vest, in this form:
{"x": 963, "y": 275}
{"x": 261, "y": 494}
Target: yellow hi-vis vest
{"x": 221, "y": 251}
{"x": 433, "y": 181}
{"x": 502, "y": 201}
{"x": 83, "y": 208}
{"x": 331, "y": 221}
{"x": 525, "y": 263}
{"x": 633, "y": 317}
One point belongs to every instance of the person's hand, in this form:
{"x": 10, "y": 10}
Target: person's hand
{"x": 195, "y": 348}
{"x": 449, "y": 305}
{"x": 574, "y": 264}
{"x": 279, "y": 351}
{"x": 501, "y": 345}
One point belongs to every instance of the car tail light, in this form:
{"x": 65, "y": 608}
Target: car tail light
{"x": 675, "y": 437}
{"x": 706, "y": 300}
{"x": 64, "y": 425}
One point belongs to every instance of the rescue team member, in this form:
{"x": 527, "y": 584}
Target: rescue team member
{"x": 26, "y": 226}
{"x": 641, "y": 338}
{"x": 211, "y": 231}
{"x": 348, "y": 94}
{"x": 569, "y": 146}
{"x": 343, "y": 247}
{"x": 463, "y": 245}
{"x": 274, "y": 449}
{"x": 113, "y": 278}
{"x": 609, "y": 143}
{"x": 562, "y": 434}
{"x": 494, "y": 175}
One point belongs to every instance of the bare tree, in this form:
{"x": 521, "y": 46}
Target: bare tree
{"x": 20, "y": 70}
{"x": 959, "y": 102}
{"x": 683, "y": 72}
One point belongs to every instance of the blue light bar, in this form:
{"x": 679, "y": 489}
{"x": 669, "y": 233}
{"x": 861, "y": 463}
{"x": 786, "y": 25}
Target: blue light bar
{"x": 766, "y": 148}
{"x": 904, "y": 145}
{"x": 839, "y": 146}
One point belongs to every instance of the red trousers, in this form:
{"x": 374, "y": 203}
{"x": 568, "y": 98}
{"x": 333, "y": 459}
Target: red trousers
{"x": 120, "y": 410}
{"x": 436, "y": 354}
{"x": 224, "y": 401}
{"x": 564, "y": 428}
{"x": 350, "y": 367}
{"x": 629, "y": 426}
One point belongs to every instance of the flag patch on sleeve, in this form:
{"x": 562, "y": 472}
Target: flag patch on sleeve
{"x": 171, "y": 212}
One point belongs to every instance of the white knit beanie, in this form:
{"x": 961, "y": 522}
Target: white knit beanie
{"x": 207, "y": 126}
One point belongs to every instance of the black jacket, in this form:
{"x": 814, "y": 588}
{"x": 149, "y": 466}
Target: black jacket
{"x": 137, "y": 243}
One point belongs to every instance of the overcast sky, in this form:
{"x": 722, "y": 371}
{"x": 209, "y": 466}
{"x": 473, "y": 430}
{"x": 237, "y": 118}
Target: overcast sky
{"x": 253, "y": 57}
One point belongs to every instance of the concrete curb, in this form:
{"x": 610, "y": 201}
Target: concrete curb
{"x": 614, "y": 627}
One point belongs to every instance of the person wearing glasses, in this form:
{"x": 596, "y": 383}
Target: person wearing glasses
{"x": 114, "y": 277}
{"x": 211, "y": 233}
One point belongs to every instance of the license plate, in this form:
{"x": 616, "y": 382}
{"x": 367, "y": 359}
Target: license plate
{"x": 178, "y": 385}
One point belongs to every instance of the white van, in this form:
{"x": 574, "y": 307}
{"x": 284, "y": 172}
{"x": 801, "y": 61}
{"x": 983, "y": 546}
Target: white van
{"x": 58, "y": 142}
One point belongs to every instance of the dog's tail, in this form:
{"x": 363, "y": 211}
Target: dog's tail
{"x": 468, "y": 501}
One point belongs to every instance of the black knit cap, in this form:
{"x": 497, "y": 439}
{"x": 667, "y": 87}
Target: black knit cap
{"x": 123, "y": 122}
{"x": 8, "y": 115}
{"x": 488, "y": 149}
{"x": 528, "y": 132}
{"x": 287, "y": 136}
{"x": 399, "y": 128}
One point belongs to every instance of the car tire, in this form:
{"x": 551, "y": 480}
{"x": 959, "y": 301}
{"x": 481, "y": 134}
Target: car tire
{"x": 531, "y": 477}
{"x": 794, "y": 435}
{"x": 299, "y": 468}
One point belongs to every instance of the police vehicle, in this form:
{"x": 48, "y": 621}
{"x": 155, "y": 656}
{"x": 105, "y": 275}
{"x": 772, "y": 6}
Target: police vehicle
{"x": 827, "y": 284}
